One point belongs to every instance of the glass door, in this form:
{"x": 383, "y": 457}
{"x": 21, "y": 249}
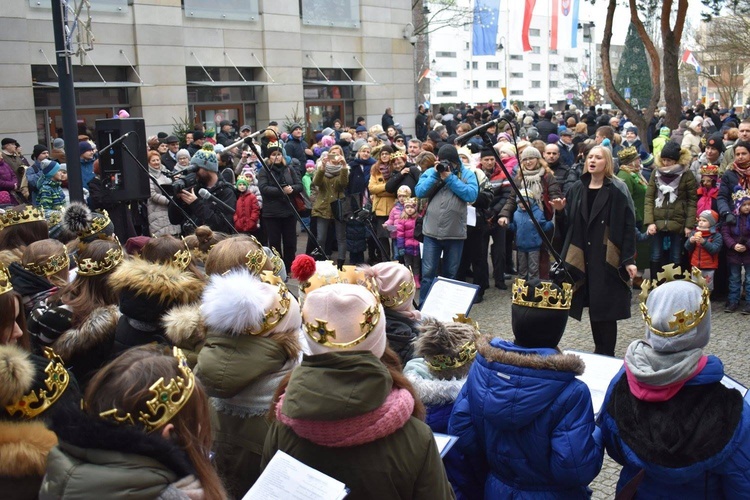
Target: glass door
{"x": 211, "y": 115}
{"x": 86, "y": 121}
{"x": 320, "y": 115}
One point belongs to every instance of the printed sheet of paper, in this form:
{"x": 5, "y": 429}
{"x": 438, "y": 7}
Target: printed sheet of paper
{"x": 733, "y": 384}
{"x": 447, "y": 298}
{"x": 286, "y": 478}
{"x": 471, "y": 215}
{"x": 600, "y": 370}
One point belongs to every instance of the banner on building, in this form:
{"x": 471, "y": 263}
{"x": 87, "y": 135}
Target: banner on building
{"x": 564, "y": 29}
{"x": 484, "y": 40}
{"x": 527, "y": 14}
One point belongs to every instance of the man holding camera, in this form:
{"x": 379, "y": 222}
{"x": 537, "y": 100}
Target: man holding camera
{"x": 203, "y": 173}
{"x": 448, "y": 187}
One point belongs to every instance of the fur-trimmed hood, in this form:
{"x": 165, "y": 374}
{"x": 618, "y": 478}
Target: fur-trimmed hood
{"x": 432, "y": 391}
{"x": 184, "y": 327}
{"x": 98, "y": 329}
{"x": 24, "y": 447}
{"x": 165, "y": 282}
{"x": 521, "y": 384}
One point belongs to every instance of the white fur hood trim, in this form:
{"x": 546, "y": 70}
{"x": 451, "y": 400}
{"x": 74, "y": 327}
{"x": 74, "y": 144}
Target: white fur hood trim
{"x": 433, "y": 391}
{"x": 235, "y": 302}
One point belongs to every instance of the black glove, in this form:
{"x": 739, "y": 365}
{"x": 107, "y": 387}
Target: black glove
{"x": 729, "y": 218}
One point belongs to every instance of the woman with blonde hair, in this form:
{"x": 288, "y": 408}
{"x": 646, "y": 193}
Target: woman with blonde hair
{"x": 599, "y": 209}
{"x": 382, "y": 200}
{"x": 147, "y": 434}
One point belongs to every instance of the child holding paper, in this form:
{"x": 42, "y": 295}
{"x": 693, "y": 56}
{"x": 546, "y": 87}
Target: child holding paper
{"x": 528, "y": 240}
{"x": 525, "y": 423}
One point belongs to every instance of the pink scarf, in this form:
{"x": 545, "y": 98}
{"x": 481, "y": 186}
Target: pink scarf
{"x": 705, "y": 198}
{"x": 366, "y": 428}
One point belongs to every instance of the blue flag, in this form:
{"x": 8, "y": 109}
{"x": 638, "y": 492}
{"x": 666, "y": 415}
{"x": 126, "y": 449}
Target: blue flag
{"x": 485, "y": 27}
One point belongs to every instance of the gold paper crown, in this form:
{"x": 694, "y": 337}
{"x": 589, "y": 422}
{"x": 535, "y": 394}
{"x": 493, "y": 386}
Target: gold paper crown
{"x": 411, "y": 201}
{"x": 52, "y": 265}
{"x": 320, "y": 333}
{"x": 28, "y": 214}
{"x": 54, "y": 218}
{"x": 272, "y": 317}
{"x": 462, "y": 318}
{"x": 347, "y": 274}
{"x": 167, "y": 401}
{"x": 91, "y": 267}
{"x": 38, "y": 401}
{"x": 709, "y": 170}
{"x": 466, "y": 354}
{"x": 626, "y": 155}
{"x": 683, "y": 320}
{"x": 255, "y": 260}
{"x": 740, "y": 194}
{"x": 5, "y": 284}
{"x": 182, "y": 258}
{"x": 550, "y": 297}
{"x": 99, "y": 222}
{"x": 405, "y": 292}
{"x": 397, "y": 154}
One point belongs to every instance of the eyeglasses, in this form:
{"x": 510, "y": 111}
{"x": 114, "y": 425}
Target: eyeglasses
{"x": 399, "y": 140}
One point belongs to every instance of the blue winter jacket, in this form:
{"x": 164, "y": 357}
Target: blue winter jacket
{"x": 527, "y": 237}
{"x": 526, "y": 424}
{"x": 724, "y": 475}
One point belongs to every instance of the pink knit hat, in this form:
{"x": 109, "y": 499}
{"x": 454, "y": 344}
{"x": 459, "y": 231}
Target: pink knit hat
{"x": 396, "y": 286}
{"x": 343, "y": 317}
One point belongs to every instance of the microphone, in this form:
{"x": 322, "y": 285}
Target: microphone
{"x": 206, "y": 195}
{"x": 119, "y": 139}
{"x": 507, "y": 116}
{"x": 246, "y": 140}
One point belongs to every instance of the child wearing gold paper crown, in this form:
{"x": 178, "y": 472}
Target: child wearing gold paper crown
{"x": 407, "y": 244}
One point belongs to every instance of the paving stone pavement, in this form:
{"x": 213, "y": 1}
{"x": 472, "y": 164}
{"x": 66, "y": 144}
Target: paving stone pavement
{"x": 729, "y": 334}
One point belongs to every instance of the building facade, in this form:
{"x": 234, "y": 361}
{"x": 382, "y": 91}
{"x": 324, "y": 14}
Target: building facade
{"x": 169, "y": 61}
{"x": 541, "y": 76}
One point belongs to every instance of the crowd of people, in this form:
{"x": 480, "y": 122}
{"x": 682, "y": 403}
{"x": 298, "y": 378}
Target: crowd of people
{"x": 154, "y": 349}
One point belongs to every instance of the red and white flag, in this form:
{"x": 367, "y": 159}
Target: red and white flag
{"x": 689, "y": 58}
{"x": 527, "y": 13}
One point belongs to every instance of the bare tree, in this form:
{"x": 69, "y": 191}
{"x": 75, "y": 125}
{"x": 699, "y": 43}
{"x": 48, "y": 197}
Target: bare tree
{"x": 438, "y": 14}
{"x": 722, "y": 47}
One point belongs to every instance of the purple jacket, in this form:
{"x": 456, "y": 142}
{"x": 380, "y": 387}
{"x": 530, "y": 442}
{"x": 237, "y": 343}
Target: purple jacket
{"x": 8, "y": 182}
{"x": 737, "y": 233}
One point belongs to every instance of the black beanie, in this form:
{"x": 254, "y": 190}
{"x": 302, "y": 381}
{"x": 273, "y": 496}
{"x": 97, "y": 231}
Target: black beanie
{"x": 448, "y": 152}
{"x": 671, "y": 150}
{"x": 536, "y": 327}
{"x": 716, "y": 141}
{"x": 485, "y": 153}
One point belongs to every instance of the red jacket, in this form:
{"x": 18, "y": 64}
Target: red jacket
{"x": 247, "y": 213}
{"x": 706, "y": 255}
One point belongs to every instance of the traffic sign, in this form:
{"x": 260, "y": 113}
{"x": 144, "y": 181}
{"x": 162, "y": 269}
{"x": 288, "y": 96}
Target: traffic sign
{"x": 627, "y": 93}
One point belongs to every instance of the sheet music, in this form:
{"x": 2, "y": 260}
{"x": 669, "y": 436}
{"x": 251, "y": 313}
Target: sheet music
{"x": 447, "y": 298}
{"x": 286, "y": 478}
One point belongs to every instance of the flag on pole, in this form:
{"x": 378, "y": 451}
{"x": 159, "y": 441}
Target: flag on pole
{"x": 564, "y": 30}
{"x": 689, "y": 58}
{"x": 484, "y": 40}
{"x": 429, "y": 74}
{"x": 527, "y": 13}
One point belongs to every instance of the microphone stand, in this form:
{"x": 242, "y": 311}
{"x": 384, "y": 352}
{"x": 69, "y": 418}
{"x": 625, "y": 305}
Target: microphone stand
{"x": 318, "y": 248}
{"x": 558, "y": 266}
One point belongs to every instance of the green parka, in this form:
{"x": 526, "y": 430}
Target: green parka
{"x": 342, "y": 385}
{"x": 330, "y": 189}
{"x": 675, "y": 216}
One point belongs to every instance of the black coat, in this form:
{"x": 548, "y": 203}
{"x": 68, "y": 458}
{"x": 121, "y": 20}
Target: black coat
{"x": 207, "y": 212}
{"x": 168, "y": 161}
{"x": 275, "y": 202}
{"x": 397, "y": 180}
{"x": 597, "y": 248}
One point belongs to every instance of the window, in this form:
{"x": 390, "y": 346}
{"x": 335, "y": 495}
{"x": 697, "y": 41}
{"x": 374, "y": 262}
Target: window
{"x": 467, "y": 64}
{"x": 536, "y": 67}
{"x": 467, "y": 46}
{"x": 516, "y": 75}
{"x": 553, "y": 52}
{"x": 493, "y": 65}
{"x": 513, "y": 57}
{"x": 738, "y": 100}
{"x": 475, "y": 84}
{"x": 571, "y": 59}
{"x": 535, "y": 32}
{"x": 713, "y": 70}
{"x": 553, "y": 67}
{"x": 474, "y": 65}
{"x": 113, "y": 6}
{"x": 467, "y": 84}
{"x": 447, "y": 74}
{"x": 445, "y": 54}
{"x": 493, "y": 84}
{"x": 552, "y": 84}
{"x": 516, "y": 92}
{"x": 536, "y": 84}
{"x": 447, "y": 93}
{"x": 535, "y": 50}
{"x": 570, "y": 76}
{"x": 737, "y": 69}
{"x": 338, "y": 13}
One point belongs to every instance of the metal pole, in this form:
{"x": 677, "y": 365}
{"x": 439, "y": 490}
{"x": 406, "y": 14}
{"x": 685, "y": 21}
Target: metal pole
{"x": 67, "y": 99}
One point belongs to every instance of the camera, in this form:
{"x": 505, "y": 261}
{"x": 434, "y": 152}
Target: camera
{"x": 185, "y": 179}
{"x": 443, "y": 166}
{"x": 361, "y": 215}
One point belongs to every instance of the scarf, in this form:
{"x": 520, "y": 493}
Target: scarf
{"x": 635, "y": 174}
{"x": 333, "y": 169}
{"x": 743, "y": 174}
{"x": 667, "y": 182}
{"x": 385, "y": 170}
{"x": 658, "y": 376}
{"x": 532, "y": 182}
{"x": 705, "y": 198}
{"x": 366, "y": 428}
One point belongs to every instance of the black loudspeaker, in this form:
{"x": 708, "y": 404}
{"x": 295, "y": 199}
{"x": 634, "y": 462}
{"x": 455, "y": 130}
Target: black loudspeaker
{"x": 121, "y": 175}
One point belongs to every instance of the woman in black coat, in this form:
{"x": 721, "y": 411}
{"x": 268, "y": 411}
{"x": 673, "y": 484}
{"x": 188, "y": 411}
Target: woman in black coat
{"x": 599, "y": 248}
{"x": 278, "y": 216}
{"x": 404, "y": 174}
